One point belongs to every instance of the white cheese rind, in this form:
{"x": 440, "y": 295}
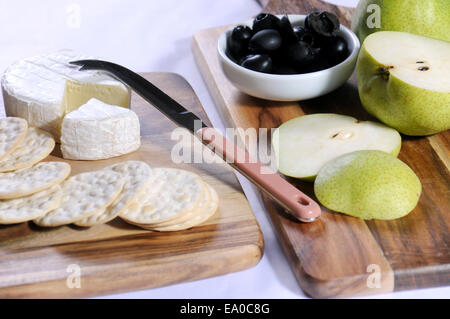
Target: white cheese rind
{"x": 99, "y": 131}
{"x": 45, "y": 115}
{"x": 35, "y": 89}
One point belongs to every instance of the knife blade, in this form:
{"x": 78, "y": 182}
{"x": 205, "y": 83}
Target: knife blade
{"x": 285, "y": 194}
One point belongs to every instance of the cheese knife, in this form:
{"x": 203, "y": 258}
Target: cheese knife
{"x": 299, "y": 205}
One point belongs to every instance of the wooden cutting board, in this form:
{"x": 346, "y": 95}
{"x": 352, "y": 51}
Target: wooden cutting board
{"x": 339, "y": 255}
{"x": 118, "y": 257}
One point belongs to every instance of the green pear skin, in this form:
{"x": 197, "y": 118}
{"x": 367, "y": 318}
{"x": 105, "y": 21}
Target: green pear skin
{"x": 368, "y": 185}
{"x": 409, "y": 109}
{"x": 429, "y": 18}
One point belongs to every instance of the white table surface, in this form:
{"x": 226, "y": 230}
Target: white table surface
{"x": 151, "y": 35}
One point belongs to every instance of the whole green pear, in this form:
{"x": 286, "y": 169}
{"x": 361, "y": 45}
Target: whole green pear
{"x": 404, "y": 81}
{"x": 368, "y": 185}
{"x": 429, "y": 18}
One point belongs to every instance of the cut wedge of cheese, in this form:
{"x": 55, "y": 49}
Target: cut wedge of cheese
{"x": 43, "y": 89}
{"x": 99, "y": 131}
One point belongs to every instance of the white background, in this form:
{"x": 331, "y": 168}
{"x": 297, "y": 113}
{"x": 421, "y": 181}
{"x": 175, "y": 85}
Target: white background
{"x": 147, "y": 36}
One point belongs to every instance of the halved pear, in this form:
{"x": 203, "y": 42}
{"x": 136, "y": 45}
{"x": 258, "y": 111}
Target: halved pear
{"x": 306, "y": 143}
{"x": 404, "y": 80}
{"x": 368, "y": 185}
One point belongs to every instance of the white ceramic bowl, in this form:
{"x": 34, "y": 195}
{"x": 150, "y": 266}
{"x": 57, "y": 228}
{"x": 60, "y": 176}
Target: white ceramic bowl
{"x": 295, "y": 87}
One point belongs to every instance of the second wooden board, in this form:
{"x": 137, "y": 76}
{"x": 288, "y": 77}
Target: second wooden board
{"x": 340, "y": 255}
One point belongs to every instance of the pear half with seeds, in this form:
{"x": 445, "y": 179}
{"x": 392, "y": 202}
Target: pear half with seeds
{"x": 306, "y": 143}
{"x": 368, "y": 185}
{"x": 404, "y": 81}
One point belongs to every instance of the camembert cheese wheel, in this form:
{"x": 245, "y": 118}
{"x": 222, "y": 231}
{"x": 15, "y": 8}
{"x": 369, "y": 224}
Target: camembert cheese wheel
{"x": 43, "y": 89}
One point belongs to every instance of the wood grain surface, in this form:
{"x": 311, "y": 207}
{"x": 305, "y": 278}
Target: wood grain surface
{"x": 116, "y": 256}
{"x": 339, "y": 255}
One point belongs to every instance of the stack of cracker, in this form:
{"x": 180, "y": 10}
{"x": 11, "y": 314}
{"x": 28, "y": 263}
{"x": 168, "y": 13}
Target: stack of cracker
{"x": 160, "y": 199}
{"x": 28, "y": 189}
{"x": 175, "y": 200}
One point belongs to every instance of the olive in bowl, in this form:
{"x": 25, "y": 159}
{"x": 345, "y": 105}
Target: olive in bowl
{"x": 295, "y": 63}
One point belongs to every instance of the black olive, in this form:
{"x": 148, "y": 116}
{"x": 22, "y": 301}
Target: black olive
{"x": 258, "y": 62}
{"x": 283, "y": 68}
{"x": 325, "y": 24}
{"x": 265, "y": 41}
{"x": 321, "y": 61}
{"x": 299, "y": 31}
{"x": 307, "y": 36}
{"x": 299, "y": 55}
{"x": 237, "y": 41}
{"x": 286, "y": 31}
{"x": 337, "y": 49}
{"x": 265, "y": 21}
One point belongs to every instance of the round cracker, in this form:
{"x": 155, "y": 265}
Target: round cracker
{"x": 36, "y": 146}
{"x": 27, "y": 208}
{"x": 139, "y": 204}
{"x": 136, "y": 176}
{"x": 12, "y": 132}
{"x": 32, "y": 179}
{"x": 202, "y": 207}
{"x": 196, "y": 221}
{"x": 83, "y": 195}
{"x": 172, "y": 193}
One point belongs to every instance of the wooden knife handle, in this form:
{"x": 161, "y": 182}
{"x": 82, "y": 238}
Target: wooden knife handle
{"x": 297, "y": 203}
